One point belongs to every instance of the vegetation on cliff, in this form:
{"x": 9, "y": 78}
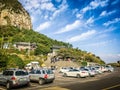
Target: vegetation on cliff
{"x": 14, "y": 5}
{"x": 11, "y": 35}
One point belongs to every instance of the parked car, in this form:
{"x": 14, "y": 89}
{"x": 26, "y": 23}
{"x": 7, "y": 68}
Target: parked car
{"x": 65, "y": 69}
{"x": 109, "y": 68}
{"x": 95, "y": 70}
{"x": 98, "y": 69}
{"x": 42, "y": 76}
{"x": 14, "y": 77}
{"x": 90, "y": 71}
{"x": 76, "y": 73}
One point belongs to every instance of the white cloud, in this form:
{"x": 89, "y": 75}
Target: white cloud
{"x": 118, "y": 54}
{"x": 82, "y": 36}
{"x": 45, "y": 9}
{"x": 43, "y": 26}
{"x": 33, "y": 19}
{"x": 110, "y": 58}
{"x": 115, "y": 2}
{"x": 105, "y": 13}
{"x": 79, "y": 16}
{"x": 29, "y": 4}
{"x": 98, "y": 44}
{"x": 84, "y": 10}
{"x": 94, "y": 4}
{"x": 69, "y": 27}
{"x": 111, "y": 22}
{"x": 90, "y": 20}
{"x": 48, "y": 6}
{"x": 60, "y": 9}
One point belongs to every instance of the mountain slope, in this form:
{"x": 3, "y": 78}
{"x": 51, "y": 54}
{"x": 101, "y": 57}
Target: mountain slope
{"x": 12, "y": 13}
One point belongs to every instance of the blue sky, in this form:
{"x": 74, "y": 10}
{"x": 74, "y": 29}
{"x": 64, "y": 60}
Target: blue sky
{"x": 90, "y": 25}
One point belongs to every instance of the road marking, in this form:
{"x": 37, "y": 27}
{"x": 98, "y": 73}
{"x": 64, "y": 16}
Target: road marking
{"x": 111, "y": 87}
{"x": 54, "y": 88}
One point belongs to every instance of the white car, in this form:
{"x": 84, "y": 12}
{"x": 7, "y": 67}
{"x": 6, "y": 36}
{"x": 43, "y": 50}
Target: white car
{"x": 109, "y": 68}
{"x": 76, "y": 73}
{"x": 90, "y": 71}
{"x": 65, "y": 69}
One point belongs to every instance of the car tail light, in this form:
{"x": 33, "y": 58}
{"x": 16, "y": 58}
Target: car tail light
{"x": 13, "y": 78}
{"x": 83, "y": 72}
{"x": 46, "y": 76}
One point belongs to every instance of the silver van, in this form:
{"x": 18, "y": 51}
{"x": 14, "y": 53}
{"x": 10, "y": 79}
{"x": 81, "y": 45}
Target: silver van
{"x": 42, "y": 76}
{"x": 14, "y": 77}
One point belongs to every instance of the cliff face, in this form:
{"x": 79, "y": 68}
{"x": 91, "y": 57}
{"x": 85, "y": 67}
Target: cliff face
{"x": 12, "y": 13}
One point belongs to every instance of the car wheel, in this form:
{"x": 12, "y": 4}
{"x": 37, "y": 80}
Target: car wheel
{"x": 65, "y": 75}
{"x": 41, "y": 81}
{"x": 78, "y": 75}
{"x": 28, "y": 84}
{"x": 8, "y": 86}
{"x": 51, "y": 81}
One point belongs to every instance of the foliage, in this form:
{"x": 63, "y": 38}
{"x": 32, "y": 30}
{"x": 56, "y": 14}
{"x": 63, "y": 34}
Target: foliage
{"x": 13, "y": 34}
{"x": 114, "y": 64}
{"x": 79, "y": 56}
{"x": 15, "y": 62}
{"x": 44, "y": 43}
{"x": 3, "y": 59}
{"x": 84, "y": 63}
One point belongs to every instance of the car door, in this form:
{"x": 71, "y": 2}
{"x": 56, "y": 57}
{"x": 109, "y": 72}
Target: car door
{"x": 75, "y": 72}
{"x": 70, "y": 73}
{"x": 32, "y": 75}
{"x": 50, "y": 74}
{"x": 38, "y": 74}
{"x": 3, "y": 79}
{"x": 5, "y": 76}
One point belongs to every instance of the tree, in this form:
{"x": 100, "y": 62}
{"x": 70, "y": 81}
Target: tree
{"x": 3, "y": 59}
{"x": 15, "y": 62}
{"x": 84, "y": 63}
{"x": 118, "y": 61}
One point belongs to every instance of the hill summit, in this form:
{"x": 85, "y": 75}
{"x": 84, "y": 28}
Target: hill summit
{"x": 12, "y": 13}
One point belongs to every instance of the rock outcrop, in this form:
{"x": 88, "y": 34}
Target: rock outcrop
{"x": 12, "y": 13}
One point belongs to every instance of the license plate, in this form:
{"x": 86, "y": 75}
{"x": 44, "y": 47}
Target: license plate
{"x": 22, "y": 79}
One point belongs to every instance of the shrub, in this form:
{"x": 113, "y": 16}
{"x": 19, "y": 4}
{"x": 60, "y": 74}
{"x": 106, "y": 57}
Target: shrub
{"x": 15, "y": 62}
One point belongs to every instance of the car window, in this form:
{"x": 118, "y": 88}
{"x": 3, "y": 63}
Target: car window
{"x": 86, "y": 69}
{"x": 38, "y": 72}
{"x": 8, "y": 73}
{"x": 70, "y": 70}
{"x": 43, "y": 71}
{"x": 32, "y": 72}
{"x": 76, "y": 70}
{"x": 49, "y": 71}
{"x": 20, "y": 73}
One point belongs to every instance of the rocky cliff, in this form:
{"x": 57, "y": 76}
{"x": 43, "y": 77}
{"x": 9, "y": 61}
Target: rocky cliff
{"x": 12, "y": 13}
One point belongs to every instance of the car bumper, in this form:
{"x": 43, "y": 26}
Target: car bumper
{"x": 49, "y": 80}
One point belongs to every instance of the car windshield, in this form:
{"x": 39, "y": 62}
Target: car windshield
{"x": 49, "y": 71}
{"x": 20, "y": 73}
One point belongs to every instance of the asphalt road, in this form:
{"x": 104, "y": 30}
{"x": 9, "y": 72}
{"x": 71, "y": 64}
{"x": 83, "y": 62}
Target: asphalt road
{"x": 105, "y": 81}
{"x": 111, "y": 81}
{"x": 108, "y": 83}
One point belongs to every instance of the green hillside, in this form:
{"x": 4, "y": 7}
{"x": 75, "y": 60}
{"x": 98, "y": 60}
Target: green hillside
{"x": 11, "y": 35}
